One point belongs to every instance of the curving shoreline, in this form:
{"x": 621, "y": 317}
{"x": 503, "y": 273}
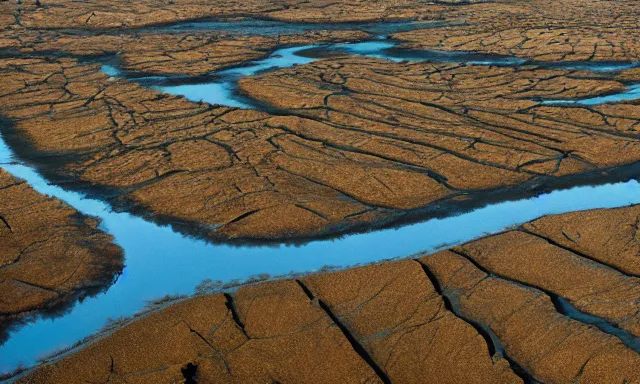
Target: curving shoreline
{"x": 168, "y": 249}
{"x": 388, "y": 312}
{"x": 383, "y": 244}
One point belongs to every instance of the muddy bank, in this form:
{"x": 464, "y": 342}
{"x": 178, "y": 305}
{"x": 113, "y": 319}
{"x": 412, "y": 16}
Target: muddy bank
{"x": 568, "y": 30}
{"x": 457, "y": 315}
{"x": 122, "y": 14}
{"x": 49, "y": 253}
{"x": 341, "y": 155}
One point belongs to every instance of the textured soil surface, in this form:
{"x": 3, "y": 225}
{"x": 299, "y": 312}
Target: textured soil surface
{"x": 343, "y": 144}
{"x": 546, "y": 30}
{"x": 359, "y": 142}
{"x": 349, "y": 143}
{"x": 49, "y": 253}
{"x": 189, "y": 54}
{"x": 484, "y": 312}
{"x": 122, "y": 13}
{"x": 540, "y": 29}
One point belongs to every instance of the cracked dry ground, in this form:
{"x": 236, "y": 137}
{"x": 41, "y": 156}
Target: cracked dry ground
{"x": 545, "y": 30}
{"x": 355, "y": 142}
{"x": 122, "y": 13}
{"x": 539, "y": 29}
{"x": 49, "y": 253}
{"x": 482, "y": 312}
{"x": 188, "y": 54}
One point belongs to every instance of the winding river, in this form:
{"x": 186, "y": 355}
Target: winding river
{"x": 160, "y": 261}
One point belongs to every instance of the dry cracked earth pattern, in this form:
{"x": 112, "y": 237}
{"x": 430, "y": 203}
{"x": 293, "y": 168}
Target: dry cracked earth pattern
{"x": 545, "y": 30}
{"x": 350, "y": 143}
{"x": 342, "y": 144}
{"x": 485, "y": 312}
{"x": 354, "y": 142}
{"x": 124, "y": 14}
{"x": 49, "y": 253}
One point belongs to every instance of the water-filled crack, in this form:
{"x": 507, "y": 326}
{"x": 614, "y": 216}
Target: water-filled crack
{"x": 494, "y": 345}
{"x": 564, "y": 307}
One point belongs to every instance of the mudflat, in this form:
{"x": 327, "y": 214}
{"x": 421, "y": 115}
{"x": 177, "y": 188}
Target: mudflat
{"x": 338, "y": 145}
{"x": 358, "y": 142}
{"x": 50, "y": 254}
{"x": 402, "y": 111}
{"x": 486, "y": 311}
{"x": 543, "y": 30}
{"x": 124, "y": 14}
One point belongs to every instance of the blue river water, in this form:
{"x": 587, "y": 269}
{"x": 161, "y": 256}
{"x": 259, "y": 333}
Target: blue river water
{"x": 222, "y": 88}
{"x": 160, "y": 261}
{"x": 631, "y": 93}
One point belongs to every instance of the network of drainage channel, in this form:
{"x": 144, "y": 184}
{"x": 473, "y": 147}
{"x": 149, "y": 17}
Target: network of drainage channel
{"x": 162, "y": 262}
{"x": 223, "y": 89}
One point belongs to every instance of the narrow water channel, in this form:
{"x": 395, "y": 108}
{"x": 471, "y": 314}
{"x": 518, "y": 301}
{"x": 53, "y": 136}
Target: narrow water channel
{"x": 631, "y": 93}
{"x": 277, "y": 28}
{"x": 221, "y": 88}
{"x": 160, "y": 261}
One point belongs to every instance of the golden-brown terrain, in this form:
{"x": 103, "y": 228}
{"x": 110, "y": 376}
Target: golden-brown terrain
{"x": 484, "y": 312}
{"x": 49, "y": 253}
{"x": 125, "y": 14}
{"x": 539, "y": 29}
{"x": 358, "y": 142}
{"x": 544, "y": 30}
{"x": 346, "y": 143}
{"x": 188, "y": 54}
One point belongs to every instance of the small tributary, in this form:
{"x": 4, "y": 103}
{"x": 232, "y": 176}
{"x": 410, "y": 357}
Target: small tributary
{"x": 221, "y": 87}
